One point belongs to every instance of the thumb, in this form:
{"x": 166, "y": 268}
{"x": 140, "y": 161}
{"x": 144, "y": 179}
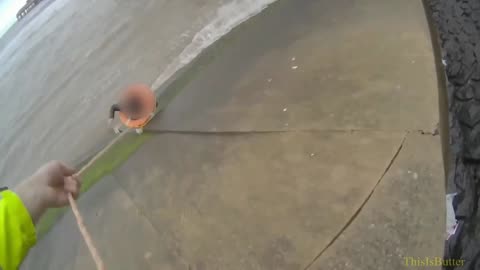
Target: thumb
{"x": 66, "y": 170}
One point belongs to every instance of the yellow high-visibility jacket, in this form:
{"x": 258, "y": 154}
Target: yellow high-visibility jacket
{"x": 17, "y": 231}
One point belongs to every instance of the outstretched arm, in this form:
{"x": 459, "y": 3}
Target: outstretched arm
{"x": 113, "y": 109}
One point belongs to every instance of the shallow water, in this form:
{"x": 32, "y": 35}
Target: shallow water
{"x": 62, "y": 68}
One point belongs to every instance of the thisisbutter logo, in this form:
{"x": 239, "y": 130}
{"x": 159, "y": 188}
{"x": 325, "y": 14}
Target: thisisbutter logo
{"x": 432, "y": 261}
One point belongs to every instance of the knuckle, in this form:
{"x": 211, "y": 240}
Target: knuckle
{"x": 55, "y": 163}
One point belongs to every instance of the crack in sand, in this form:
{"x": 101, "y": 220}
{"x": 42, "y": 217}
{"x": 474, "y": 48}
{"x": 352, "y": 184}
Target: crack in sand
{"x": 354, "y": 216}
{"x": 246, "y": 132}
{"x": 141, "y": 213}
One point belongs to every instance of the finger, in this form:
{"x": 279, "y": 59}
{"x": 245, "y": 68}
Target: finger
{"x": 66, "y": 170}
{"x": 72, "y": 186}
{"x": 77, "y": 178}
{"x": 61, "y": 199}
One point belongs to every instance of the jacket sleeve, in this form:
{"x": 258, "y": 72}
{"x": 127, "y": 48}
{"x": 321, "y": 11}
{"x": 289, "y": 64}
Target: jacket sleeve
{"x": 17, "y": 231}
{"x": 113, "y": 109}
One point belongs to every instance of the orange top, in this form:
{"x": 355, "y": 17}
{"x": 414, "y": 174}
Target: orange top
{"x": 148, "y": 102}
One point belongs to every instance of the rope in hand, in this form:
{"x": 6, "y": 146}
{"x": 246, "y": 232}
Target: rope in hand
{"x": 81, "y": 226}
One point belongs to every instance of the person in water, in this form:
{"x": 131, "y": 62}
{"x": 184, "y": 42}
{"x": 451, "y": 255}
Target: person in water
{"x": 22, "y": 207}
{"x": 132, "y": 108}
{"x": 137, "y": 106}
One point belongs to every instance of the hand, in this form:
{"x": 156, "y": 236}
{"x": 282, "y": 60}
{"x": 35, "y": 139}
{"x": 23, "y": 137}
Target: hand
{"x": 48, "y": 187}
{"x": 53, "y": 182}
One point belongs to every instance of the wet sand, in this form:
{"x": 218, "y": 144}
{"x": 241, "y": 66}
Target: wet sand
{"x": 354, "y": 181}
{"x": 65, "y": 64}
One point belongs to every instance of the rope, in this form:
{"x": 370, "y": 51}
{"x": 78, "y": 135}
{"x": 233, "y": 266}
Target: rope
{"x": 86, "y": 236}
{"x": 81, "y": 226}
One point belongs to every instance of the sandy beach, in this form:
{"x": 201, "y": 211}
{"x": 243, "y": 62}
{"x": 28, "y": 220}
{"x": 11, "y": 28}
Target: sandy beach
{"x": 67, "y": 61}
{"x": 302, "y": 139}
